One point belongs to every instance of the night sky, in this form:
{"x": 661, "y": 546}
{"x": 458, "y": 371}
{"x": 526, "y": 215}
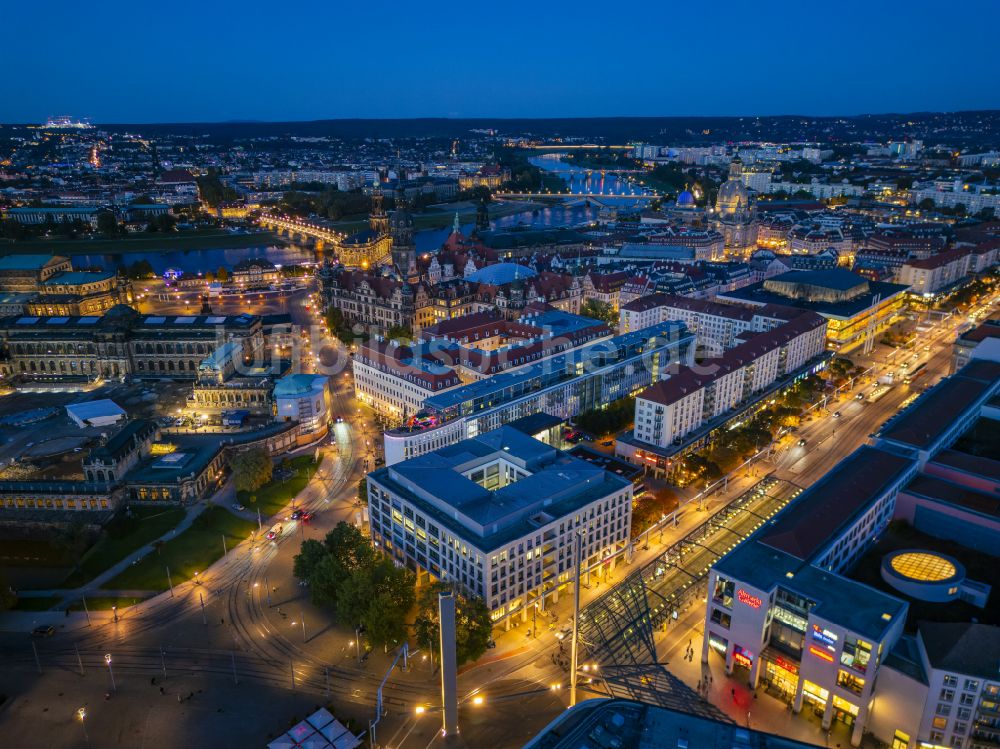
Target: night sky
{"x": 215, "y": 60}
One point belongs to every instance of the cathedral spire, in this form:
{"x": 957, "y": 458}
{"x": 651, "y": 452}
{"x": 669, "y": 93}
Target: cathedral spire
{"x": 456, "y": 226}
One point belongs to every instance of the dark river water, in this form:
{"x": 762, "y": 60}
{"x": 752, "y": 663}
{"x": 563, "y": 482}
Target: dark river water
{"x": 427, "y": 240}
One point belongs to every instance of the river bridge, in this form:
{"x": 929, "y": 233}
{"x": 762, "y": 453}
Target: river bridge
{"x": 364, "y": 255}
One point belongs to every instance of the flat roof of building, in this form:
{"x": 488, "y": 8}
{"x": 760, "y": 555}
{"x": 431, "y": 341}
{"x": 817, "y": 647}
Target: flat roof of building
{"x": 556, "y": 485}
{"x": 940, "y": 490}
{"x": 964, "y": 647}
{"x": 805, "y": 525}
{"x": 927, "y": 418}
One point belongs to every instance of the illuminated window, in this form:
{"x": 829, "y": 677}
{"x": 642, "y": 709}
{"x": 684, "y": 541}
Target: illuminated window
{"x": 940, "y": 722}
{"x": 849, "y": 681}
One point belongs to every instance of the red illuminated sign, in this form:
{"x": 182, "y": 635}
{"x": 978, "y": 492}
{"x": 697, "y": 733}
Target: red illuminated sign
{"x": 821, "y": 654}
{"x": 742, "y": 660}
{"x": 752, "y": 601}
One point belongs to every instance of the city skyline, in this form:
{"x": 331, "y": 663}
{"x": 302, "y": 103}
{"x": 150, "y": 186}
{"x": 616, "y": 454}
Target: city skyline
{"x": 460, "y": 62}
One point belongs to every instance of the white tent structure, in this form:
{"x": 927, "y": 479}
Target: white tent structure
{"x": 97, "y": 413}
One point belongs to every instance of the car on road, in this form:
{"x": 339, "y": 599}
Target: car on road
{"x": 275, "y": 532}
{"x": 307, "y": 516}
{"x": 802, "y": 442}
{"x": 238, "y": 507}
{"x": 297, "y": 514}
{"x": 836, "y": 414}
{"x": 43, "y": 630}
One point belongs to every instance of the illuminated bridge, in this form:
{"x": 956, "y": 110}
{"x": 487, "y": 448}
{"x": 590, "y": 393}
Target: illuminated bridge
{"x": 366, "y": 254}
{"x": 580, "y": 195}
{"x": 617, "y": 628}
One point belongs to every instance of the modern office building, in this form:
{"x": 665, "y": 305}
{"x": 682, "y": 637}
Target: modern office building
{"x": 669, "y": 410}
{"x": 498, "y": 515}
{"x": 395, "y": 378}
{"x": 855, "y": 308}
{"x": 563, "y": 385}
{"x": 779, "y": 608}
{"x": 797, "y": 606}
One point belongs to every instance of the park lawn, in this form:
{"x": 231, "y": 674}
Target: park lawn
{"x": 122, "y": 536}
{"x": 41, "y": 603}
{"x": 274, "y": 496}
{"x": 193, "y": 240}
{"x": 192, "y": 551}
{"x": 105, "y": 603}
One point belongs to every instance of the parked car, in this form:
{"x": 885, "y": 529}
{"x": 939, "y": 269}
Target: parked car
{"x": 238, "y": 507}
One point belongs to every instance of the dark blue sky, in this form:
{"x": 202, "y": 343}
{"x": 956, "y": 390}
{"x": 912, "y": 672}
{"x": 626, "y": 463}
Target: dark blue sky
{"x": 213, "y": 60}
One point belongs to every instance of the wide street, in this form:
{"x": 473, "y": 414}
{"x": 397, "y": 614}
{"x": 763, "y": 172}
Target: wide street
{"x": 249, "y": 625}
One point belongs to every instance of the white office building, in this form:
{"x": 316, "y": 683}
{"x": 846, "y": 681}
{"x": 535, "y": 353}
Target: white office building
{"x": 498, "y": 515}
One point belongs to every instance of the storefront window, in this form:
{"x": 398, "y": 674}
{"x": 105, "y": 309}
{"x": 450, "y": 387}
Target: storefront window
{"x": 849, "y": 681}
{"x": 856, "y": 655}
{"x": 815, "y": 693}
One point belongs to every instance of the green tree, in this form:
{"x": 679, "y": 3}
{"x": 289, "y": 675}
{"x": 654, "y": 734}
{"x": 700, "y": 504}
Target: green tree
{"x": 473, "y": 625}
{"x": 107, "y": 224}
{"x": 379, "y": 599}
{"x": 139, "y": 270}
{"x": 399, "y": 332}
{"x": 311, "y": 553}
{"x": 251, "y": 468}
{"x": 363, "y": 492}
{"x": 221, "y": 274}
{"x": 599, "y": 310}
{"x": 362, "y": 588}
{"x": 927, "y": 204}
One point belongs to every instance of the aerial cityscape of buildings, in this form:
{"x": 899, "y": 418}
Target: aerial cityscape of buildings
{"x": 431, "y": 431}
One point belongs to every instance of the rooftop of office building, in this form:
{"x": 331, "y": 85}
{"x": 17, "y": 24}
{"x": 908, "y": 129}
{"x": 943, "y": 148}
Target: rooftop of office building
{"x": 931, "y": 415}
{"x": 530, "y": 483}
{"x": 833, "y": 502}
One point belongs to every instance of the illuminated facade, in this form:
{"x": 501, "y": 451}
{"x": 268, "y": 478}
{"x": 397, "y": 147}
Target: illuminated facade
{"x": 497, "y": 515}
{"x": 734, "y": 215}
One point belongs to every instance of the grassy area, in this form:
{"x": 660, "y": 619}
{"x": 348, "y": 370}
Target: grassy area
{"x": 193, "y": 240}
{"x": 273, "y": 497}
{"x": 192, "y": 551}
{"x": 35, "y": 604}
{"x": 40, "y": 552}
{"x": 122, "y": 536}
{"x": 104, "y": 603}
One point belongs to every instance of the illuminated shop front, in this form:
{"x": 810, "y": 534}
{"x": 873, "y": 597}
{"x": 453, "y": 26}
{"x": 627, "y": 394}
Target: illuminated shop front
{"x": 781, "y": 673}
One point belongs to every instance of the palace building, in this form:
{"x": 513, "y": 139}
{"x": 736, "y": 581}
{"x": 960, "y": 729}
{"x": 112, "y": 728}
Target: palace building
{"x": 119, "y": 343}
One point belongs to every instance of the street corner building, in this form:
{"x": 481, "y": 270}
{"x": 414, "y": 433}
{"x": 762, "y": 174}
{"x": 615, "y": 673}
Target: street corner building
{"x": 497, "y": 515}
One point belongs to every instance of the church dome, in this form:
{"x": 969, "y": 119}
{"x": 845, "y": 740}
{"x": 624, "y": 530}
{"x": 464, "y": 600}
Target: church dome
{"x": 766, "y": 255}
{"x": 685, "y": 200}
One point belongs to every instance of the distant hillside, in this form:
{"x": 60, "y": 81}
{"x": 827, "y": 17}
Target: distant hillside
{"x": 970, "y": 129}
